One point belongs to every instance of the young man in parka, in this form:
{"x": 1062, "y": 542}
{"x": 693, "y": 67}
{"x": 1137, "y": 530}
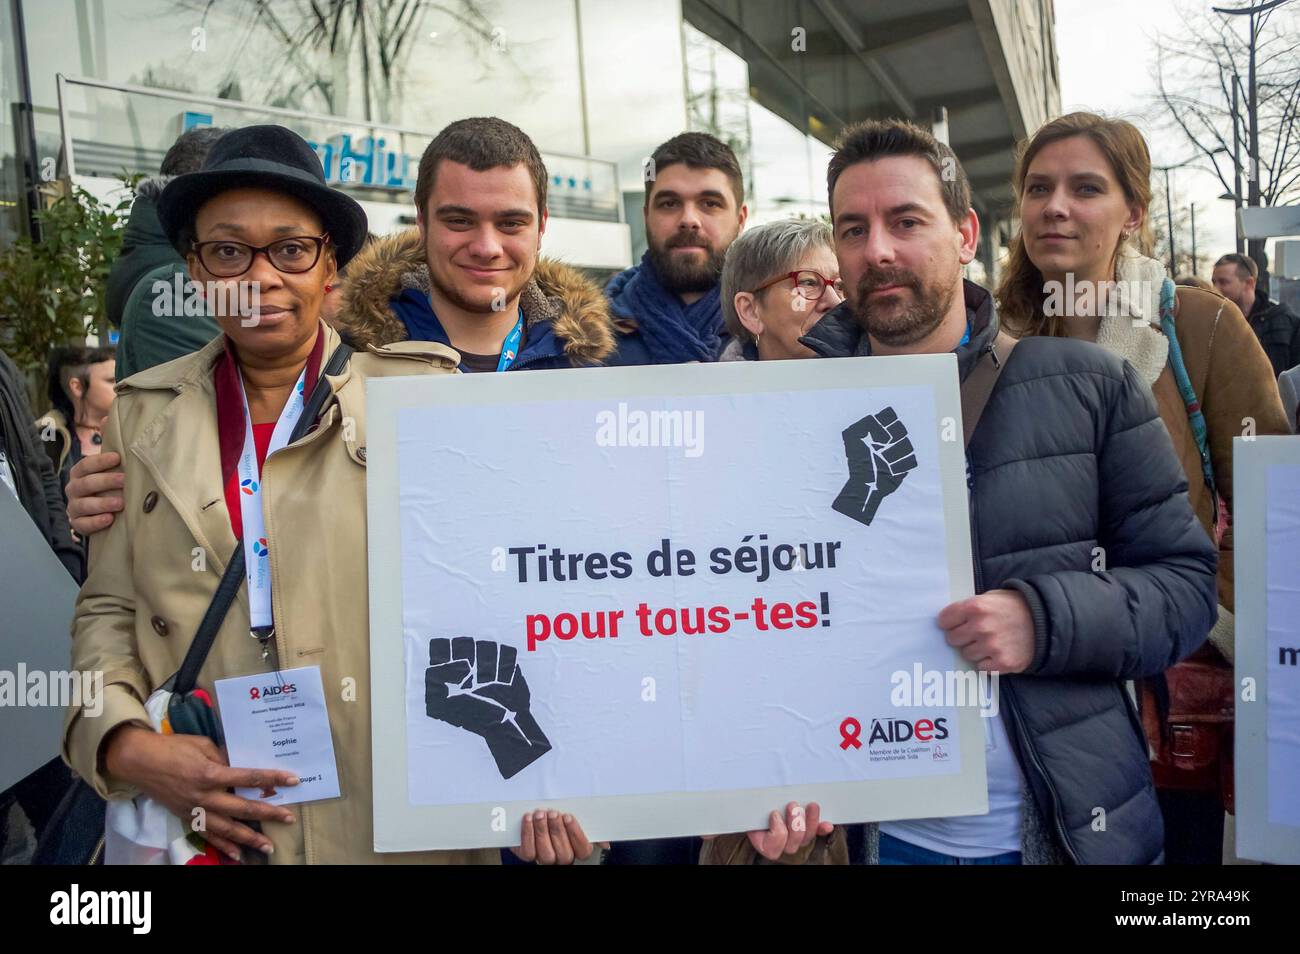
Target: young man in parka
{"x": 471, "y": 275}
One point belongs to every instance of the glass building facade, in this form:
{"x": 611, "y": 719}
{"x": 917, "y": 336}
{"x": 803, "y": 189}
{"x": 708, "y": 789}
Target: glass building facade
{"x": 596, "y": 83}
{"x": 587, "y": 79}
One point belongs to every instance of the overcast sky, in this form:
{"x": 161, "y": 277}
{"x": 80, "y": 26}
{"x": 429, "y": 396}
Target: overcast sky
{"x": 1107, "y": 61}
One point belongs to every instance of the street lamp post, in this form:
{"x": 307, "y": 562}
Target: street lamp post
{"x": 1169, "y": 209}
{"x": 1236, "y": 160}
{"x": 1169, "y": 214}
{"x": 1253, "y": 11}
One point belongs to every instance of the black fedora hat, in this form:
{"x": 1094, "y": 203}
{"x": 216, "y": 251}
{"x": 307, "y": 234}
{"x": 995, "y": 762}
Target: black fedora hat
{"x": 270, "y": 157}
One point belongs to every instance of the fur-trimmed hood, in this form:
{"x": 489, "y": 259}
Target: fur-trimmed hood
{"x": 558, "y": 295}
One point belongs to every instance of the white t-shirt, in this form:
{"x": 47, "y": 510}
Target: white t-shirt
{"x": 976, "y": 836}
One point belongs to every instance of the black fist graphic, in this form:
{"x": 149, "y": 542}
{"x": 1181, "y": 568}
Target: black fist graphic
{"x": 879, "y": 455}
{"x": 478, "y": 686}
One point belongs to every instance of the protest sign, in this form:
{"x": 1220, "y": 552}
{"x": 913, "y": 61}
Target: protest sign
{"x": 667, "y": 600}
{"x": 1266, "y": 521}
{"x": 36, "y": 601}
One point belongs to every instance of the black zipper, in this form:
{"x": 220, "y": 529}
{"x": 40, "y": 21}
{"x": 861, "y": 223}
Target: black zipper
{"x": 974, "y": 526}
{"x": 1027, "y": 747}
{"x": 1134, "y": 716}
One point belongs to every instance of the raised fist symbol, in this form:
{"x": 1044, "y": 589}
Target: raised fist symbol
{"x": 476, "y": 685}
{"x": 880, "y": 455}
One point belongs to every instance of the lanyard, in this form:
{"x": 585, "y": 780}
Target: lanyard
{"x": 510, "y": 347}
{"x": 256, "y": 547}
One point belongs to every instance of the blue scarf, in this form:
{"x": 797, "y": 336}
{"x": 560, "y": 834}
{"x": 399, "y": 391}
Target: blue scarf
{"x": 673, "y": 332}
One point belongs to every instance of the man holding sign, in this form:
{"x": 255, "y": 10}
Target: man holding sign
{"x": 707, "y": 656}
{"x": 1090, "y": 566}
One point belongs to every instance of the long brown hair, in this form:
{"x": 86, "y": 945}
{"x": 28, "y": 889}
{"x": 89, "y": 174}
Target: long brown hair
{"x": 1020, "y": 291}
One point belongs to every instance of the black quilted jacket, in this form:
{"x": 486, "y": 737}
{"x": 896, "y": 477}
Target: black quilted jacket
{"x": 1070, "y": 455}
{"x": 1278, "y": 330}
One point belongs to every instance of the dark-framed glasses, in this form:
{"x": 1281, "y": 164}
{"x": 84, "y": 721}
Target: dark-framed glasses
{"x": 808, "y": 284}
{"x": 226, "y": 258}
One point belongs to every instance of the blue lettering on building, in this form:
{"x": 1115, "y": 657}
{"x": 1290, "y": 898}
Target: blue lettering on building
{"x": 366, "y": 161}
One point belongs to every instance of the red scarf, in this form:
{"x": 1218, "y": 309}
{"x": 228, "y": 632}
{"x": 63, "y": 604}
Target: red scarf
{"x": 230, "y": 423}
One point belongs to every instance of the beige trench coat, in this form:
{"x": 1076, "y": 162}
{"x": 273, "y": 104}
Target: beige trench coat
{"x": 153, "y": 573}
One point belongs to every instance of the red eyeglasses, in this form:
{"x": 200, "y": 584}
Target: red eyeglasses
{"x": 809, "y": 284}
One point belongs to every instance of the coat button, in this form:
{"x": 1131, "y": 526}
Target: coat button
{"x": 150, "y": 500}
{"x": 361, "y": 452}
{"x": 159, "y": 626}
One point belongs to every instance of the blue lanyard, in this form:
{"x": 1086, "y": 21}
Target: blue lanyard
{"x": 510, "y": 347}
{"x": 965, "y": 339}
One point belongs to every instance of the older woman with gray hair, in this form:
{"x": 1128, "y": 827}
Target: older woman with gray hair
{"x": 778, "y": 280}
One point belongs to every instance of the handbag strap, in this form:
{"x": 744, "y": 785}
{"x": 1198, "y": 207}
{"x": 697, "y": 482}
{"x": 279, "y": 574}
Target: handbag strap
{"x": 1195, "y": 417}
{"x": 978, "y": 386}
{"x": 232, "y": 579}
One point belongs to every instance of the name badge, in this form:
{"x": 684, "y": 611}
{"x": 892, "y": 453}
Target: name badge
{"x": 278, "y": 720}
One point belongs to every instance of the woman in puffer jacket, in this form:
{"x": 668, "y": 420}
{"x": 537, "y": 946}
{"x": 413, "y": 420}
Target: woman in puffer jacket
{"x": 1080, "y": 268}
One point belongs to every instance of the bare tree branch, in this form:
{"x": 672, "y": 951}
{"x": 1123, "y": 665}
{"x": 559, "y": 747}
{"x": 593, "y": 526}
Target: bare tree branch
{"x": 1200, "y": 60}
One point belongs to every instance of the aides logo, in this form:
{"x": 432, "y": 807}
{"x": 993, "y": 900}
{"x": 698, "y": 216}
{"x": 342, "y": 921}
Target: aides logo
{"x": 907, "y": 740}
{"x": 898, "y": 740}
{"x": 893, "y": 731}
{"x": 255, "y": 694}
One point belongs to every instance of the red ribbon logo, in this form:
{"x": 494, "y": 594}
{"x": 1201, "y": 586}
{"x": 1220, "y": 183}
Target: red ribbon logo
{"x": 256, "y": 693}
{"x": 850, "y": 729}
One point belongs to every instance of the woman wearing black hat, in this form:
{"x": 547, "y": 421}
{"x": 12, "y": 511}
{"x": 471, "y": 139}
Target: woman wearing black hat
{"x": 235, "y": 443}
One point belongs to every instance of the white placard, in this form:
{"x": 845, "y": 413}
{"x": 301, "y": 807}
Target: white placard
{"x": 706, "y": 599}
{"x": 1266, "y": 484}
{"x": 37, "y": 596}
